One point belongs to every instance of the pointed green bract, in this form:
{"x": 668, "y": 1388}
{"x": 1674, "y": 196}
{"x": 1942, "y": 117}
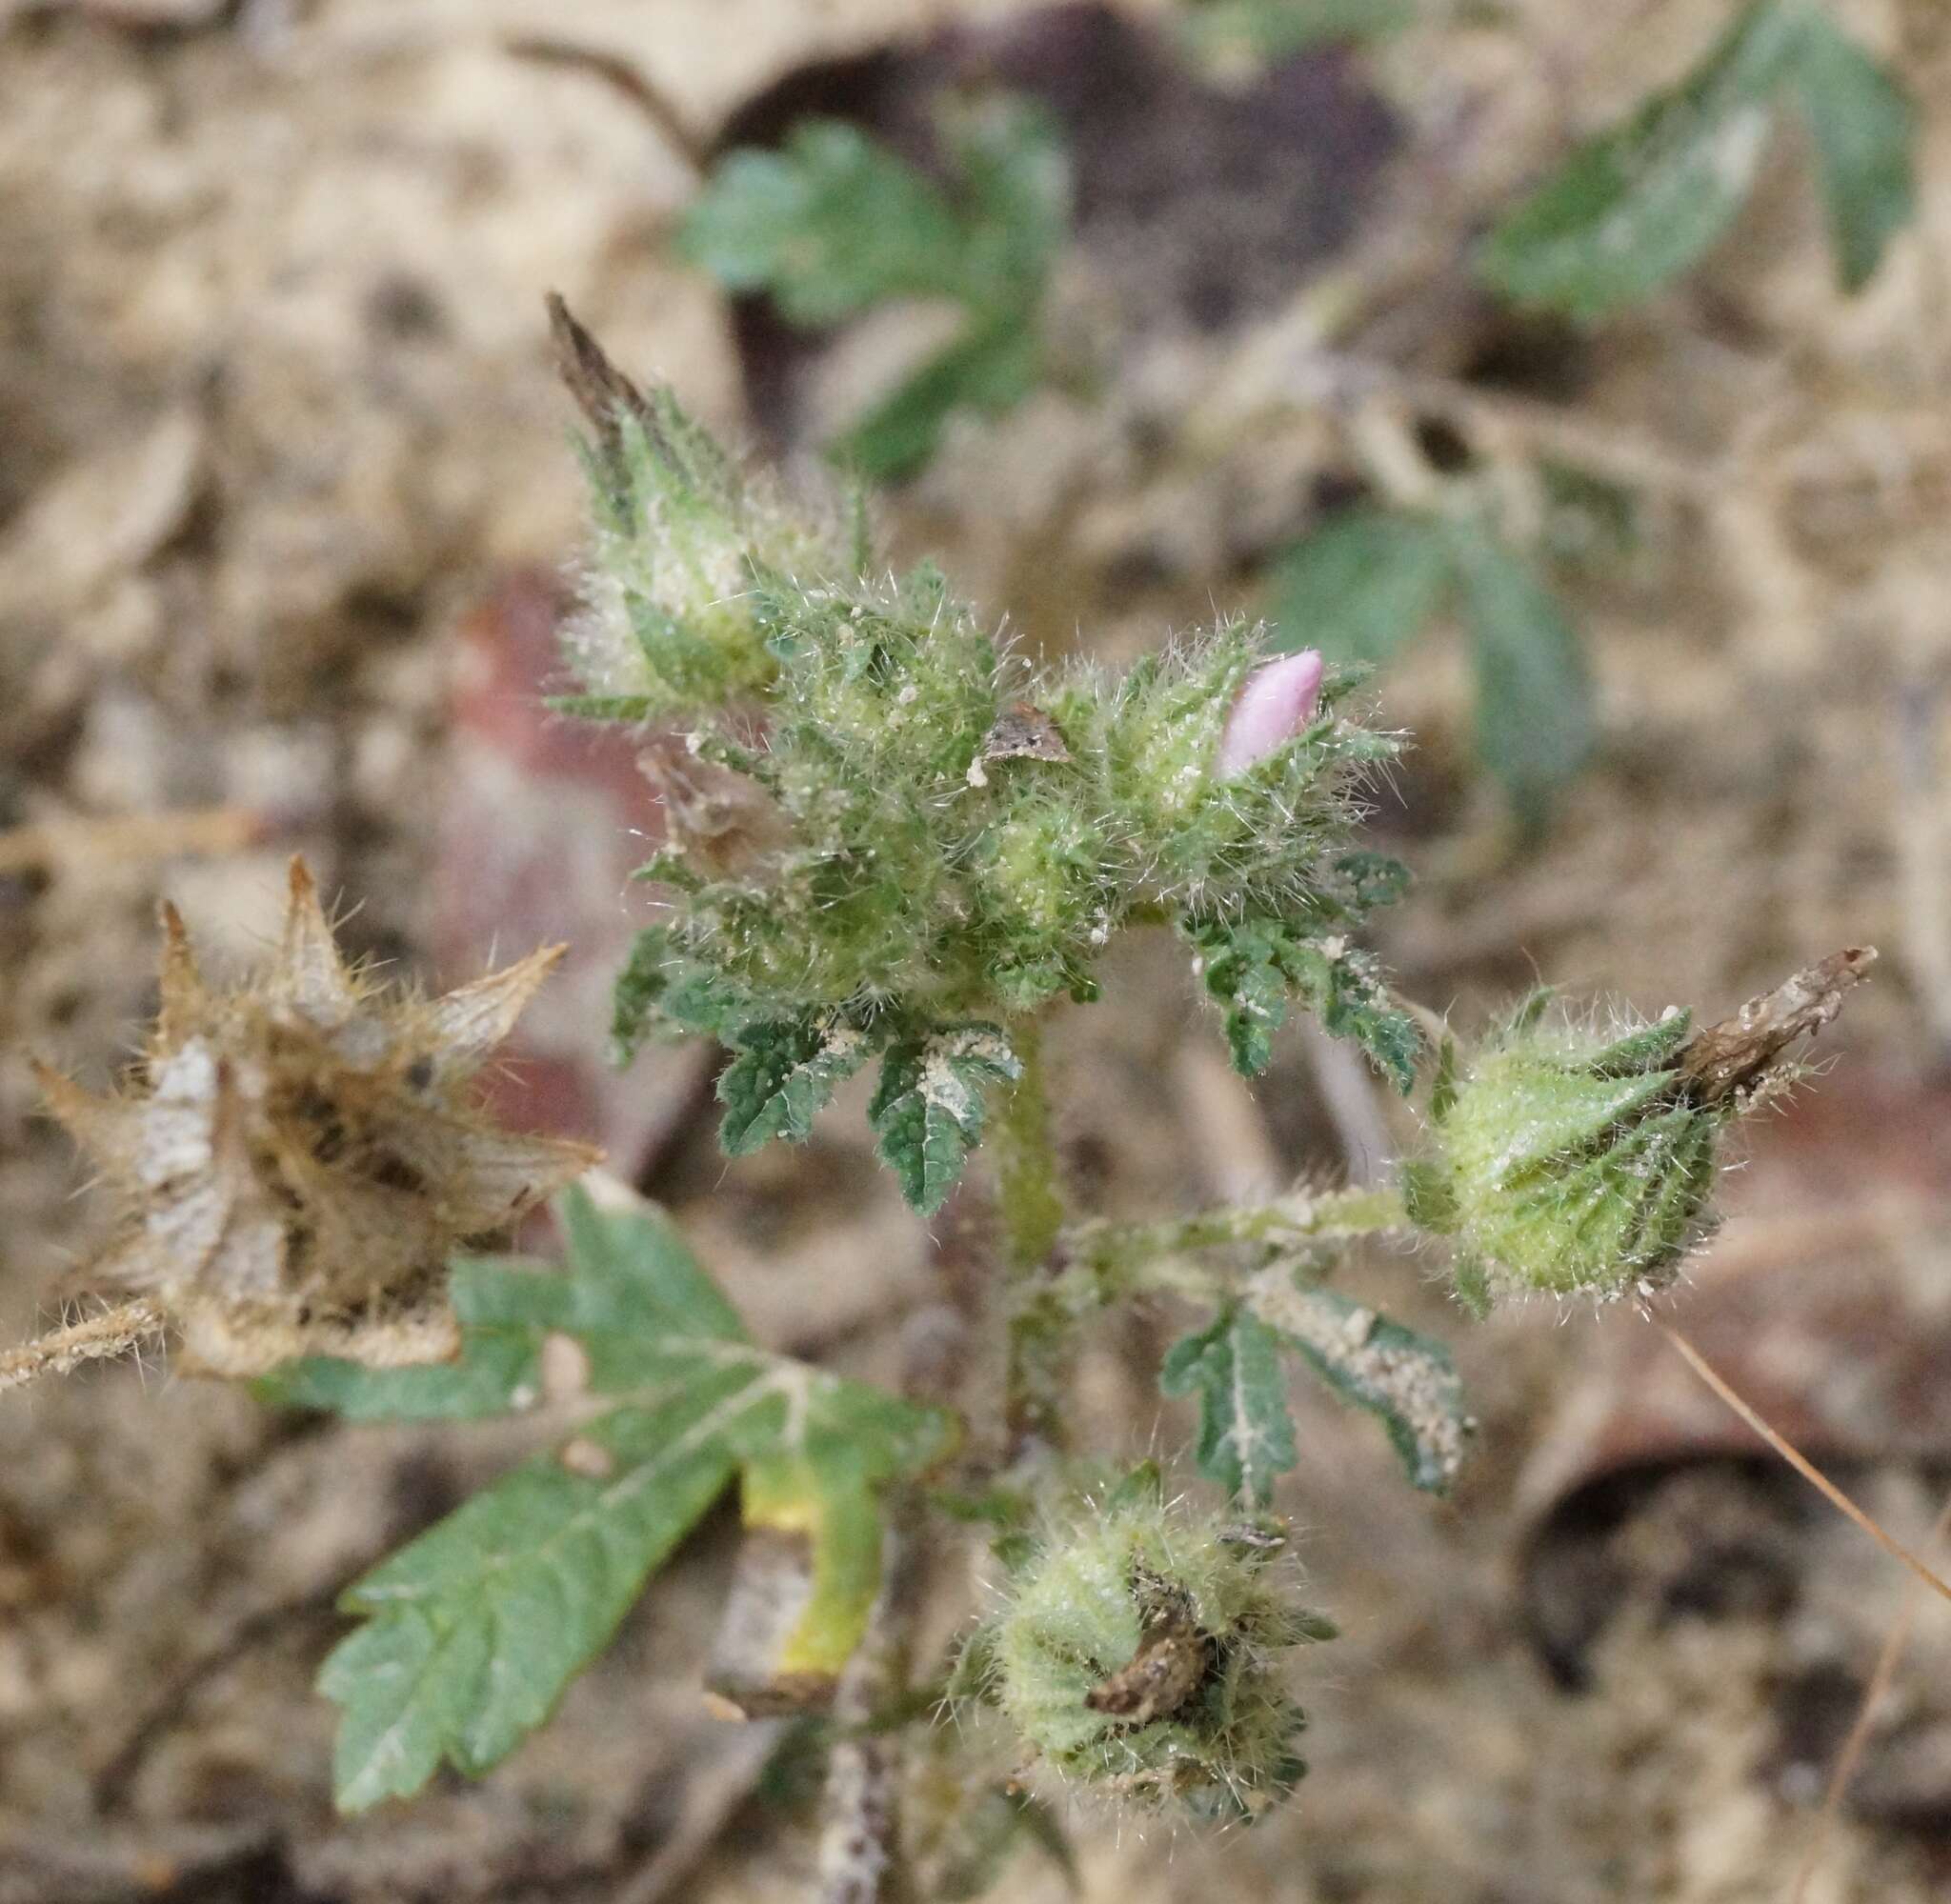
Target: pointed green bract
{"x": 1563, "y": 1162}
{"x": 474, "y": 1630}
{"x": 1246, "y": 1435}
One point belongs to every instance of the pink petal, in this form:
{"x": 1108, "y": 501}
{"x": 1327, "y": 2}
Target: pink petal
{"x": 1278, "y": 700}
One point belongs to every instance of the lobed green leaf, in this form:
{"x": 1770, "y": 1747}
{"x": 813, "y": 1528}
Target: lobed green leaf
{"x": 475, "y": 1629}
{"x": 928, "y": 1109}
{"x": 1406, "y": 1379}
{"x": 1246, "y": 1435}
{"x": 784, "y": 1069}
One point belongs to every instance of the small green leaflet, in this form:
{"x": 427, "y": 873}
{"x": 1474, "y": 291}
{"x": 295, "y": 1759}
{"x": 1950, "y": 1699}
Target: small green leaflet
{"x": 1534, "y": 717}
{"x": 1866, "y": 131}
{"x": 1634, "y": 208}
{"x": 1405, "y": 1378}
{"x": 928, "y": 1109}
{"x": 784, "y": 1069}
{"x": 662, "y": 990}
{"x": 1363, "y": 584}
{"x": 990, "y": 369}
{"x": 1372, "y": 579}
{"x": 834, "y": 224}
{"x": 473, "y": 1631}
{"x": 1253, "y": 966}
{"x": 829, "y": 225}
{"x": 1246, "y": 1435}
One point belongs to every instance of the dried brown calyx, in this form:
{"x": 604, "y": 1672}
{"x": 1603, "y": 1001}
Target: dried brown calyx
{"x": 1735, "y": 1056}
{"x": 299, "y": 1156}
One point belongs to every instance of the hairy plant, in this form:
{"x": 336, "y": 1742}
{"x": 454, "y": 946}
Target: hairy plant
{"x": 895, "y": 841}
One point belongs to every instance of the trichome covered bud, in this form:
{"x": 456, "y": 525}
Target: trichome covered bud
{"x": 1569, "y": 1161}
{"x": 297, "y": 1156}
{"x": 1141, "y": 1654}
{"x": 1564, "y": 1160}
{"x": 1276, "y": 704}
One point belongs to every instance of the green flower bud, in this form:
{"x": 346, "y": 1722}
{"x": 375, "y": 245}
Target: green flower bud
{"x": 1139, "y": 1653}
{"x": 680, "y": 535}
{"x": 1565, "y": 1160}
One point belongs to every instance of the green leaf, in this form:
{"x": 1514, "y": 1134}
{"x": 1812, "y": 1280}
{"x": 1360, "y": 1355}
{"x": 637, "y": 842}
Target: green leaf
{"x": 1405, "y": 1378}
{"x": 1535, "y": 719}
{"x": 1343, "y": 986}
{"x": 1633, "y": 208}
{"x": 661, "y": 989}
{"x": 1016, "y": 202}
{"x": 1362, "y": 585}
{"x": 832, "y": 224}
{"x": 928, "y": 1109}
{"x": 988, "y": 370}
{"x": 475, "y": 1629}
{"x": 1241, "y": 967}
{"x": 1246, "y": 1435}
{"x": 1866, "y": 131}
{"x": 1254, "y": 966}
{"x": 784, "y": 1071}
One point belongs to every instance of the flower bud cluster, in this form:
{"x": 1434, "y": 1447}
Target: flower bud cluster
{"x": 958, "y": 834}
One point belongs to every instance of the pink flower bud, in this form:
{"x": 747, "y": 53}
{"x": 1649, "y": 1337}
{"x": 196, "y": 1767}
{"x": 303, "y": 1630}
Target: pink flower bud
{"x": 1278, "y": 700}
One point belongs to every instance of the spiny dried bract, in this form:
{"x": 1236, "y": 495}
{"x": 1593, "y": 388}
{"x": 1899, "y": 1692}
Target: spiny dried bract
{"x": 1568, "y": 1160}
{"x": 298, "y": 1156}
{"x": 1141, "y": 1655}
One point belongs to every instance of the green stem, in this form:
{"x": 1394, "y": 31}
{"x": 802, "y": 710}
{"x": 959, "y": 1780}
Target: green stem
{"x": 1028, "y": 1197}
{"x": 1107, "y": 1262}
{"x": 1029, "y": 1203}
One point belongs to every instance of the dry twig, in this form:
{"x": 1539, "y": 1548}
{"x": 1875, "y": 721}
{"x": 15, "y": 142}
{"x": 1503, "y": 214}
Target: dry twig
{"x": 130, "y": 1324}
{"x": 1799, "y": 1461}
{"x": 1726, "y": 1058}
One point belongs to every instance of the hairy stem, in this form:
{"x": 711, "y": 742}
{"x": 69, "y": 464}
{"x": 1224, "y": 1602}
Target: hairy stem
{"x": 1030, "y": 1204}
{"x": 131, "y": 1325}
{"x": 860, "y": 1841}
{"x": 1107, "y": 1262}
